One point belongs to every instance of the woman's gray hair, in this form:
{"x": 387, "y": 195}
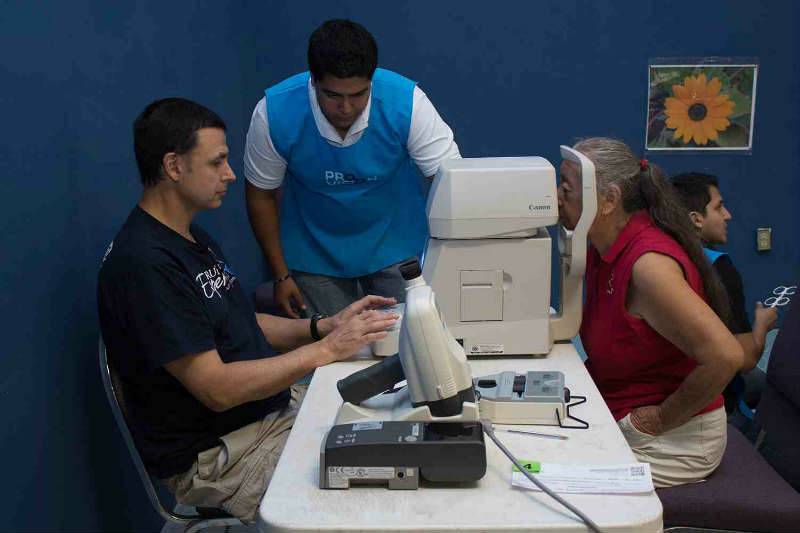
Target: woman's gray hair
{"x": 644, "y": 186}
{"x": 614, "y": 161}
{"x": 615, "y": 164}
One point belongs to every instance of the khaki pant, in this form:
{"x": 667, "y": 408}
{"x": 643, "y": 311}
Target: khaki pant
{"x": 686, "y": 454}
{"x": 234, "y": 475}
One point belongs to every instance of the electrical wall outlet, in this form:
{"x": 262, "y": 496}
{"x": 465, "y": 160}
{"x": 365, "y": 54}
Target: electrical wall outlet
{"x": 763, "y": 239}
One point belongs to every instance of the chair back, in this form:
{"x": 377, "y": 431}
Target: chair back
{"x": 116, "y": 399}
{"x": 778, "y": 412}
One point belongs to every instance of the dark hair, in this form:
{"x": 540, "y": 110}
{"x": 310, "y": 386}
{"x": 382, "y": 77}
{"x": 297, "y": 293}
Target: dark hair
{"x": 342, "y": 48}
{"x": 644, "y": 186}
{"x": 693, "y": 189}
{"x": 168, "y": 125}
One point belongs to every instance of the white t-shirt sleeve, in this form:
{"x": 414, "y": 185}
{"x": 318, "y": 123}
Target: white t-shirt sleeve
{"x": 263, "y": 165}
{"x": 430, "y": 139}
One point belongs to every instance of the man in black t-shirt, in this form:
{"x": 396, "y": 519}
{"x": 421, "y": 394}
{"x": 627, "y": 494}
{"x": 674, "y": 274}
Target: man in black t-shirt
{"x": 702, "y": 198}
{"x": 207, "y": 382}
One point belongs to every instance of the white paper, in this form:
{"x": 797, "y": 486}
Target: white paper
{"x": 590, "y": 479}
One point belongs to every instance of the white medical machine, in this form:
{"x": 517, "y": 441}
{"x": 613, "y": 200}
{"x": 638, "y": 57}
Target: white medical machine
{"x": 484, "y": 289}
{"x": 488, "y": 258}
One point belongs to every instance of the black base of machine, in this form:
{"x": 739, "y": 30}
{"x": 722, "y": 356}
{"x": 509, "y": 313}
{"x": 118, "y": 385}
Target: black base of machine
{"x": 398, "y": 454}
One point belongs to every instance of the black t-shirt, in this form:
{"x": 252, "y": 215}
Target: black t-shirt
{"x": 732, "y": 281}
{"x": 162, "y": 297}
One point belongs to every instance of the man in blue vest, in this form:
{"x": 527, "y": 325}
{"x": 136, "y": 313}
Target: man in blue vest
{"x": 702, "y": 198}
{"x": 349, "y": 143}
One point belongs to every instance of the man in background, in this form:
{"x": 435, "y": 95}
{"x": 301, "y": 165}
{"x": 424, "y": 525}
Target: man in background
{"x": 706, "y": 208}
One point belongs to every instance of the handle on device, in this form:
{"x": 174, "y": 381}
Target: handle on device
{"x": 371, "y": 381}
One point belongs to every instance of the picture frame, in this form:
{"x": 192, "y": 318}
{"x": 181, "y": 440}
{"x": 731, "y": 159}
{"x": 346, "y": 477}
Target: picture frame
{"x": 704, "y": 105}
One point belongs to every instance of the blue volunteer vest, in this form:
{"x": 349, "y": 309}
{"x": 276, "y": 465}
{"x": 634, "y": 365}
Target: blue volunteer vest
{"x": 712, "y": 255}
{"x": 348, "y": 212}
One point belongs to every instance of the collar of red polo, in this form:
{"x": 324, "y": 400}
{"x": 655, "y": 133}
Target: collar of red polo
{"x": 638, "y": 222}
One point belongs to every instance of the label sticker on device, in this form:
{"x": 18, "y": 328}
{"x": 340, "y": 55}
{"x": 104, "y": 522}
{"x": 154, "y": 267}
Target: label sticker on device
{"x": 339, "y": 476}
{"x": 488, "y": 348}
{"x": 363, "y": 426}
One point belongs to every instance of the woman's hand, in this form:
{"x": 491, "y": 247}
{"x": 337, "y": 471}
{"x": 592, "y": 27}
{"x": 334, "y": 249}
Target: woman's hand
{"x": 647, "y": 419}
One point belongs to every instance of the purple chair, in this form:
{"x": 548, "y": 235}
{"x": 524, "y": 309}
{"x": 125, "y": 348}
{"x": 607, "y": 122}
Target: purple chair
{"x": 746, "y": 494}
{"x": 743, "y": 494}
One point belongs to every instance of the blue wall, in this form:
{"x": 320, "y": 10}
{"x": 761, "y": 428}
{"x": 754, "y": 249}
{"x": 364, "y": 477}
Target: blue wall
{"x": 511, "y": 78}
{"x": 74, "y": 75}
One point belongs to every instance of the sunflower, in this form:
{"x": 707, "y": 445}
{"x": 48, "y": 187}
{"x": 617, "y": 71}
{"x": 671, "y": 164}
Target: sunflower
{"x": 698, "y": 111}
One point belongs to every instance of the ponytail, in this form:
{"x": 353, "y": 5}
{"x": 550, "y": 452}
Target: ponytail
{"x": 667, "y": 212}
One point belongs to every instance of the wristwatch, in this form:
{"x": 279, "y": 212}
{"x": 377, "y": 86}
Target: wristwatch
{"x": 316, "y": 317}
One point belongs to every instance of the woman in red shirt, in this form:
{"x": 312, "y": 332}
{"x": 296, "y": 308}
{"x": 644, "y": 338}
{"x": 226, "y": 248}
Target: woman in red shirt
{"x": 658, "y": 351}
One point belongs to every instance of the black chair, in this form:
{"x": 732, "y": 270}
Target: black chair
{"x": 746, "y": 494}
{"x": 202, "y": 518}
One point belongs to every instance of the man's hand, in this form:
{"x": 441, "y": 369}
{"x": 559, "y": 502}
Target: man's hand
{"x": 326, "y": 325}
{"x": 647, "y": 419}
{"x": 358, "y": 331}
{"x": 764, "y": 319}
{"x": 287, "y": 296}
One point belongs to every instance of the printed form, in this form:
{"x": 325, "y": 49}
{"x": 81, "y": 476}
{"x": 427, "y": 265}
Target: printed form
{"x": 586, "y": 479}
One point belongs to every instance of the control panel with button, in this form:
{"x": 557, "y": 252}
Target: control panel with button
{"x": 530, "y": 398}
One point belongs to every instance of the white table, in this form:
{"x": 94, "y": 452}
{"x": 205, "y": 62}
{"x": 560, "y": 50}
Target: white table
{"x": 294, "y": 501}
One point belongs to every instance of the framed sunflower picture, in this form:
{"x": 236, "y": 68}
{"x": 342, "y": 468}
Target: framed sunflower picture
{"x": 701, "y": 107}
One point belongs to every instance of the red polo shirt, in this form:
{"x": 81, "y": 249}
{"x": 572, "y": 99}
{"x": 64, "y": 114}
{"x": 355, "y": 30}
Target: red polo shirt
{"x": 630, "y": 362}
